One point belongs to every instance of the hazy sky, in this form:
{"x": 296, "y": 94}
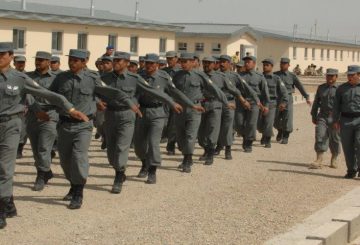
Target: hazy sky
{"x": 341, "y": 18}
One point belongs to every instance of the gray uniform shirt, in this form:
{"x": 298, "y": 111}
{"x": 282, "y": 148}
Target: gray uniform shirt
{"x": 347, "y": 100}
{"x": 291, "y": 82}
{"x": 277, "y": 89}
{"x": 324, "y": 100}
{"x": 246, "y": 91}
{"x": 258, "y": 83}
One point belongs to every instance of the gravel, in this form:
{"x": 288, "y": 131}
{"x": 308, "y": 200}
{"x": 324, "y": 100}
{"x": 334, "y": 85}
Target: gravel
{"x": 244, "y": 201}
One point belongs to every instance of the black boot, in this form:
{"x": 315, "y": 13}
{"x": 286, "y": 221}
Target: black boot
{"x": 263, "y": 140}
{"x": 228, "y": 152}
{"x": 10, "y": 209}
{"x": 187, "y": 163}
{"x": 120, "y": 178}
{"x": 70, "y": 193}
{"x": 144, "y": 170}
{"x": 218, "y": 150}
{"x": 204, "y": 156}
{"x": 42, "y": 179}
{"x": 77, "y": 198}
{"x": 209, "y": 157}
{"x": 19, "y": 154}
{"x": 53, "y": 155}
{"x": 2, "y": 213}
{"x": 279, "y": 136}
{"x": 170, "y": 148}
{"x": 248, "y": 146}
{"x": 152, "y": 175}
{"x": 267, "y": 142}
{"x": 285, "y": 138}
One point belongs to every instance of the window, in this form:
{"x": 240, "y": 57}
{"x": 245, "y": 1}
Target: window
{"x": 341, "y": 55}
{"x": 199, "y": 47}
{"x": 134, "y": 42}
{"x": 328, "y": 54}
{"x": 322, "y": 54}
{"x": 112, "y": 41}
{"x": 56, "y": 41}
{"x": 294, "y": 53}
{"x": 82, "y": 41}
{"x": 335, "y": 55}
{"x": 313, "y": 54}
{"x": 358, "y": 54}
{"x": 182, "y": 46}
{"x": 306, "y": 53}
{"x": 162, "y": 45}
{"x": 19, "y": 39}
{"x": 353, "y": 56}
{"x": 216, "y": 48}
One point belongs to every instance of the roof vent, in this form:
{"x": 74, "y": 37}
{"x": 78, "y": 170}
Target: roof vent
{"x": 23, "y": 4}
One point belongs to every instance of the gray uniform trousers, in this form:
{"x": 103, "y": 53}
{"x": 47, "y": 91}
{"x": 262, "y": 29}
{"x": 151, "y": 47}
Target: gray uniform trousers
{"x": 171, "y": 129}
{"x": 9, "y": 138}
{"x": 100, "y": 118}
{"x": 350, "y": 139}
{"x": 226, "y": 136}
{"x": 187, "y": 126}
{"x": 42, "y": 136}
{"x": 246, "y": 121}
{"x": 148, "y": 131}
{"x": 23, "y": 134}
{"x": 284, "y": 119}
{"x": 209, "y": 129}
{"x": 326, "y": 136}
{"x": 119, "y": 131}
{"x": 266, "y": 122}
{"x": 73, "y": 144}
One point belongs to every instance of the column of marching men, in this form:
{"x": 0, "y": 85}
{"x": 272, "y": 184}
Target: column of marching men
{"x": 140, "y": 103}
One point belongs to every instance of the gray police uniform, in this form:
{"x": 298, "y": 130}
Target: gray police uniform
{"x": 284, "y": 119}
{"x": 347, "y": 111}
{"x": 325, "y": 134}
{"x": 42, "y": 134}
{"x": 119, "y": 119}
{"x": 277, "y": 95}
{"x": 149, "y": 128}
{"x": 13, "y": 87}
{"x": 74, "y": 136}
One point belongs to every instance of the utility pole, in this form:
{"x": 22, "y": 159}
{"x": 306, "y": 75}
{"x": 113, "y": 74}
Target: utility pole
{"x": 137, "y": 11}
{"x": 315, "y": 26}
{"x": 92, "y": 8}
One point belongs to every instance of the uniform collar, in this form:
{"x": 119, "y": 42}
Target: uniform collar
{"x": 48, "y": 73}
{"x": 8, "y": 72}
{"x": 80, "y": 75}
{"x": 271, "y": 74}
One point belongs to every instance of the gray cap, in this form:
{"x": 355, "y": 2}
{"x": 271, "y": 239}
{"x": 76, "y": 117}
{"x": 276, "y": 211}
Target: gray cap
{"x": 171, "y": 54}
{"x": 187, "y": 56}
{"x": 152, "y": 58}
{"x": 106, "y": 58}
{"x": 19, "y": 58}
{"x": 225, "y": 57}
{"x": 78, "y": 53}
{"x": 55, "y": 59}
{"x": 269, "y": 61}
{"x": 331, "y": 71}
{"x": 196, "y": 56}
{"x": 121, "y": 55}
{"x": 6, "y": 47}
{"x": 284, "y": 60}
{"x": 42, "y": 55}
{"x": 141, "y": 58}
{"x": 98, "y": 60}
{"x": 162, "y": 62}
{"x": 209, "y": 59}
{"x": 353, "y": 69}
{"x": 135, "y": 62}
{"x": 250, "y": 57}
{"x": 241, "y": 63}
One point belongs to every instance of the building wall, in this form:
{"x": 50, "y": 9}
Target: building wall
{"x": 234, "y": 43}
{"x": 272, "y": 48}
{"x": 38, "y": 36}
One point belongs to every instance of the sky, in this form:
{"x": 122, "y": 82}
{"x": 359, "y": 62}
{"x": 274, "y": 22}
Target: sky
{"x": 340, "y": 18}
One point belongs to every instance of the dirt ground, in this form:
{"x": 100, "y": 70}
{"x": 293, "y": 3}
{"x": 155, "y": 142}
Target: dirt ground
{"x": 244, "y": 201}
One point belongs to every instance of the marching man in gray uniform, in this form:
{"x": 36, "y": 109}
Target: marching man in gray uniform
{"x": 149, "y": 128}
{"x": 322, "y": 116}
{"x": 41, "y": 130}
{"x": 14, "y": 86}
{"x": 120, "y": 120}
{"x": 284, "y": 119}
{"x": 193, "y": 84}
{"x": 80, "y": 86}
{"x": 346, "y": 116}
{"x": 278, "y": 98}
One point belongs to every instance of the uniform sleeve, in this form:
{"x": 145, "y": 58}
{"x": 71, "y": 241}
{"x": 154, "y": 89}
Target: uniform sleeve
{"x": 102, "y": 89}
{"x": 283, "y": 92}
{"x": 58, "y": 100}
{"x": 231, "y": 87}
{"x": 178, "y": 95}
{"x": 157, "y": 94}
{"x": 300, "y": 87}
{"x": 209, "y": 86}
{"x": 265, "y": 91}
{"x": 247, "y": 90}
{"x": 337, "y": 105}
{"x": 316, "y": 105}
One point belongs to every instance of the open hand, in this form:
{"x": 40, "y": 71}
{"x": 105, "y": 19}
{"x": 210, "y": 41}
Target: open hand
{"x": 136, "y": 109}
{"x": 79, "y": 115}
{"x": 198, "y": 108}
{"x": 177, "y": 108}
{"x": 101, "y": 106}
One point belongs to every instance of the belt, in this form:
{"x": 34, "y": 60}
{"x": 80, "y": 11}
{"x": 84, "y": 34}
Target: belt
{"x": 230, "y": 98}
{"x": 154, "y": 105}
{"x": 350, "y": 114}
{"x": 117, "y": 108}
{"x": 208, "y": 100}
{"x": 73, "y": 120}
{"x": 197, "y": 101}
{"x": 7, "y": 118}
{"x": 273, "y": 98}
